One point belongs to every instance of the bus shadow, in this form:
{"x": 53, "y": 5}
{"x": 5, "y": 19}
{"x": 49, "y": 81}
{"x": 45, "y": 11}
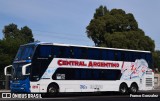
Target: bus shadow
{"x": 85, "y": 94}
{"x": 92, "y": 94}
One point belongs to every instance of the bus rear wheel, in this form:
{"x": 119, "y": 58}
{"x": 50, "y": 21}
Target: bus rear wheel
{"x": 133, "y": 89}
{"x": 52, "y": 90}
{"x": 123, "y": 89}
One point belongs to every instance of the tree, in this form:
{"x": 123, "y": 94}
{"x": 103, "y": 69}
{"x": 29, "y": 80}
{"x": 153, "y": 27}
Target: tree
{"x": 156, "y": 60}
{"x": 10, "y": 31}
{"x": 117, "y": 29}
{"x": 13, "y": 38}
{"x": 27, "y": 34}
{"x": 100, "y": 12}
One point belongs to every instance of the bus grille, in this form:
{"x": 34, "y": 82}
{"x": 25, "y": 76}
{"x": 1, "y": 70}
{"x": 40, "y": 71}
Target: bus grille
{"x": 148, "y": 82}
{"x": 149, "y": 72}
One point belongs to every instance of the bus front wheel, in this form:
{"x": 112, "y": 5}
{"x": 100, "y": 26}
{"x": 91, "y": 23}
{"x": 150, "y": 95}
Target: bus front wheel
{"x": 52, "y": 90}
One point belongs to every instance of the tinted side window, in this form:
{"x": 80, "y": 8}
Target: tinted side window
{"x": 86, "y": 74}
{"x": 77, "y": 52}
{"x": 64, "y": 74}
{"x": 110, "y": 55}
{"x": 149, "y": 59}
{"x": 56, "y": 50}
{"x": 104, "y": 54}
{"x": 96, "y": 74}
{"x": 93, "y": 54}
{"x": 77, "y": 74}
{"x": 84, "y": 52}
{"x": 127, "y": 56}
{"x": 111, "y": 74}
{"x": 143, "y": 55}
{"x": 117, "y": 55}
{"x": 122, "y": 56}
{"x": 139, "y": 55}
{"x": 71, "y": 52}
{"x": 67, "y": 52}
{"x": 45, "y": 51}
{"x": 61, "y": 52}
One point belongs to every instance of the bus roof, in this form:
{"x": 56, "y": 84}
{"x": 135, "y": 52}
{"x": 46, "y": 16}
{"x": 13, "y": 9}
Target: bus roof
{"x": 59, "y": 44}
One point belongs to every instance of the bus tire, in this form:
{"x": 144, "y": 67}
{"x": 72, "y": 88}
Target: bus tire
{"x": 133, "y": 88}
{"x": 123, "y": 89}
{"x": 52, "y": 90}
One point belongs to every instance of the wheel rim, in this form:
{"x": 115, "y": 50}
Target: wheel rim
{"x": 133, "y": 89}
{"x": 52, "y": 90}
{"x": 123, "y": 90}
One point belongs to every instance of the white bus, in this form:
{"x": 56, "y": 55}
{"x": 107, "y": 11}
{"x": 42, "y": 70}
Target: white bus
{"x": 54, "y": 68}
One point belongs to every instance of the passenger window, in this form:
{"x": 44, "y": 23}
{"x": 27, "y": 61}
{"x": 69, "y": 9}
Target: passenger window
{"x": 104, "y": 55}
{"x": 77, "y": 74}
{"x": 45, "y": 51}
{"x": 66, "y": 52}
{"x": 110, "y": 55}
{"x": 83, "y": 74}
{"x": 93, "y": 54}
{"x": 122, "y": 56}
{"x": 77, "y": 52}
{"x": 71, "y": 53}
{"x": 96, "y": 74}
{"x": 84, "y": 53}
{"x": 115, "y": 55}
{"x": 55, "y": 51}
{"x": 127, "y": 56}
{"x": 61, "y": 52}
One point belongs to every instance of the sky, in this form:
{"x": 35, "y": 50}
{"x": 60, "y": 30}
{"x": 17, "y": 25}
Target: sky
{"x": 65, "y": 21}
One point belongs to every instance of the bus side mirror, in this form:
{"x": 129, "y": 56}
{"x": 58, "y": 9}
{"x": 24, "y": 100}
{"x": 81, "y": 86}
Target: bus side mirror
{"x": 5, "y": 70}
{"x": 24, "y": 68}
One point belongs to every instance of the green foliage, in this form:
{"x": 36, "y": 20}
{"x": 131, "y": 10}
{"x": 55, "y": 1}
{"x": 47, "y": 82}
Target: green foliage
{"x": 10, "y": 31}
{"x": 117, "y": 29}
{"x": 100, "y": 12}
{"x": 27, "y": 34}
{"x": 13, "y": 38}
{"x": 156, "y": 59}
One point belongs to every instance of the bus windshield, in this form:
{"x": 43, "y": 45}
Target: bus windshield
{"x": 17, "y": 72}
{"x": 25, "y": 52}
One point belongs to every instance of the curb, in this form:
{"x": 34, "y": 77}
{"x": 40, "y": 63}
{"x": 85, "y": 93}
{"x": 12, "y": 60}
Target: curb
{"x": 4, "y": 91}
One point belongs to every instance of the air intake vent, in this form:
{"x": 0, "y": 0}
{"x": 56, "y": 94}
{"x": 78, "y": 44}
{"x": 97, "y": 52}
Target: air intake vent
{"x": 149, "y": 72}
{"x": 148, "y": 82}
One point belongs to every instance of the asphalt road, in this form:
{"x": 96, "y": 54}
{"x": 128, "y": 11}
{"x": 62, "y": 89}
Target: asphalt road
{"x": 109, "y": 96}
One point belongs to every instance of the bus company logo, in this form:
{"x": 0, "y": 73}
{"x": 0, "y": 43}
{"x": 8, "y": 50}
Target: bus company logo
{"x": 6, "y": 95}
{"x": 88, "y": 64}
